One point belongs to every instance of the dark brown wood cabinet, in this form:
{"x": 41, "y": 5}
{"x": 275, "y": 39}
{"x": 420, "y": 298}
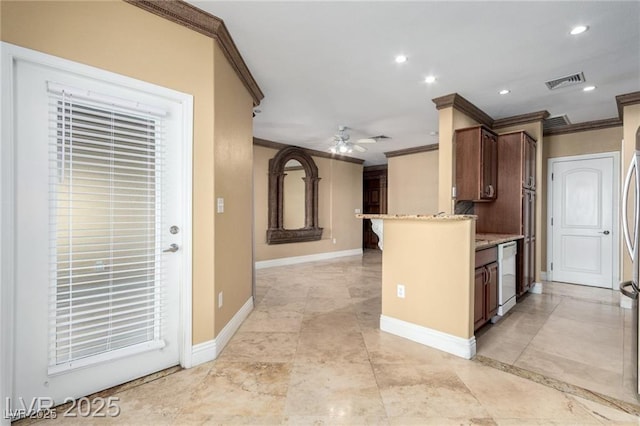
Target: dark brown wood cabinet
{"x": 514, "y": 211}
{"x": 485, "y": 286}
{"x": 374, "y": 201}
{"x": 476, "y": 164}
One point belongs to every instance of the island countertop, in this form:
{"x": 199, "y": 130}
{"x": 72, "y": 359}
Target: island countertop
{"x": 488, "y": 240}
{"x": 428, "y": 217}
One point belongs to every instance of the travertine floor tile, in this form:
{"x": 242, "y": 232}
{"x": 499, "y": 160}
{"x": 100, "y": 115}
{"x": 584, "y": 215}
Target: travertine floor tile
{"x": 331, "y": 347}
{"x": 425, "y": 391}
{"x": 240, "y": 389}
{"x": 506, "y": 396}
{"x": 333, "y": 389}
{"x": 261, "y": 347}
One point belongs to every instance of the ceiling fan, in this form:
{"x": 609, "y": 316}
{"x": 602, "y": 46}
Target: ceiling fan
{"x": 343, "y": 145}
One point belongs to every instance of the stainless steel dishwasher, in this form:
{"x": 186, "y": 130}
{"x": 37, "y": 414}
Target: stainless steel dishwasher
{"x": 506, "y": 278}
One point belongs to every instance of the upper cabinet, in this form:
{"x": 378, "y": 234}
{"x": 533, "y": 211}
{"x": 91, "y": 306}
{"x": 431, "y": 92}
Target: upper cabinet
{"x": 476, "y": 164}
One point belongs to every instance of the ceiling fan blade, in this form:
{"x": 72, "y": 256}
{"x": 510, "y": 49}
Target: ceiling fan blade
{"x": 359, "y": 148}
{"x": 366, "y": 140}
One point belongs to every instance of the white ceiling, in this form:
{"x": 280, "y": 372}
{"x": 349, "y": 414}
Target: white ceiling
{"x": 323, "y": 64}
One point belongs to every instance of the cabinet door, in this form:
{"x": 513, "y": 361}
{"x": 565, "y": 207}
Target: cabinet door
{"x": 492, "y": 290}
{"x": 489, "y": 166}
{"x": 479, "y": 298}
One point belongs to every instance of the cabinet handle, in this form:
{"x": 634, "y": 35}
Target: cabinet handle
{"x": 489, "y": 190}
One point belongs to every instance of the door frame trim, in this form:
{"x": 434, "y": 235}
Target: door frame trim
{"x": 615, "y": 155}
{"x": 9, "y": 54}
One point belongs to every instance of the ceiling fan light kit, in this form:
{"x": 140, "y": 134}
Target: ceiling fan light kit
{"x": 342, "y": 145}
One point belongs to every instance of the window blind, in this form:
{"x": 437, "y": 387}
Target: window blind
{"x": 107, "y": 275}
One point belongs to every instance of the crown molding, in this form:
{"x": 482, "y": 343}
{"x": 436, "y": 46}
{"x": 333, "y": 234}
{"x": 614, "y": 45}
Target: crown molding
{"x": 461, "y": 104}
{"x": 584, "y": 127}
{"x": 414, "y": 150}
{"x": 626, "y": 100}
{"x": 312, "y": 152}
{"x": 187, "y": 15}
{"x": 521, "y": 119}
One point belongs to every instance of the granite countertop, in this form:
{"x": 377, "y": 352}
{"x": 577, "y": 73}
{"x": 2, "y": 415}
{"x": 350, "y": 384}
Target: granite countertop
{"x": 428, "y": 217}
{"x": 489, "y": 240}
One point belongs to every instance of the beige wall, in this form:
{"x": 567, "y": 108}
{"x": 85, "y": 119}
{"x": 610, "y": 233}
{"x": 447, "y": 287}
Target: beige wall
{"x": 435, "y": 262}
{"x": 449, "y": 119}
{"x": 412, "y": 183}
{"x": 233, "y": 167}
{"x": 339, "y": 194}
{"x": 122, "y": 38}
{"x": 580, "y": 143}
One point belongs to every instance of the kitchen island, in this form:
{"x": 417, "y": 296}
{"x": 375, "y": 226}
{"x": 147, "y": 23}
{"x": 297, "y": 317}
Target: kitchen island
{"x": 428, "y": 266}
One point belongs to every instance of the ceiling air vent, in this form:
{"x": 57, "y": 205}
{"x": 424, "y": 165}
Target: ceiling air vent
{"x": 569, "y": 80}
{"x": 557, "y": 121}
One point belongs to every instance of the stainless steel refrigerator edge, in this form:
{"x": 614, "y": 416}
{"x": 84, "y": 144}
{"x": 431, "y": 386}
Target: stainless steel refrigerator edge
{"x": 631, "y": 239}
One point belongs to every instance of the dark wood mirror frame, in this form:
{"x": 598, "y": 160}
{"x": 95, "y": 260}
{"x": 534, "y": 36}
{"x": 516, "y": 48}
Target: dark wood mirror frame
{"x": 277, "y": 234}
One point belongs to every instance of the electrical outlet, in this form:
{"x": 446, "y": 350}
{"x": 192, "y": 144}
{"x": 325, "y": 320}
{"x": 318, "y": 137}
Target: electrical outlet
{"x": 335, "y": 241}
{"x": 357, "y": 211}
{"x": 220, "y": 300}
{"x": 220, "y": 205}
{"x": 400, "y": 291}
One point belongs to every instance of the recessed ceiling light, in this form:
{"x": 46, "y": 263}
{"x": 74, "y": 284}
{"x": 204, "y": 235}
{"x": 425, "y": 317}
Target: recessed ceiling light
{"x": 589, "y": 88}
{"x": 429, "y": 79}
{"x": 579, "y": 29}
{"x": 505, "y": 91}
{"x": 401, "y": 59}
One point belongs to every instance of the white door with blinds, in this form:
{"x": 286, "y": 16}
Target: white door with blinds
{"x": 99, "y": 232}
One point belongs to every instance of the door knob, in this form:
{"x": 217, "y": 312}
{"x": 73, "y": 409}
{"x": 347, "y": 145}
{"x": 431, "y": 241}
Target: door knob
{"x": 172, "y": 248}
{"x": 604, "y": 232}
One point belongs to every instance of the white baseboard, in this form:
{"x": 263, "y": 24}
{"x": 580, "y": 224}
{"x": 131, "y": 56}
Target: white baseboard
{"x": 536, "y": 288}
{"x": 464, "y": 348}
{"x": 203, "y": 352}
{"x": 308, "y": 258}
{"x": 209, "y": 350}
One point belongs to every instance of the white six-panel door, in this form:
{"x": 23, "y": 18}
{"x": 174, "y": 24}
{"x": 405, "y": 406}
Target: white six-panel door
{"x": 99, "y": 227}
{"x": 583, "y": 231}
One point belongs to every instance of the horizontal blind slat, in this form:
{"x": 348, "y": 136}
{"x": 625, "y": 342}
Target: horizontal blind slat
{"x": 99, "y": 315}
{"x": 106, "y": 168}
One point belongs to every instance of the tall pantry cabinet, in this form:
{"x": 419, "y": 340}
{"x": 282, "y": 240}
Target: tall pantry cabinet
{"x": 514, "y": 210}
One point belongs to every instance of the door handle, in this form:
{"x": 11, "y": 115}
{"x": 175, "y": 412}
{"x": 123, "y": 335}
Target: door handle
{"x": 172, "y": 249}
{"x": 604, "y": 232}
{"x": 625, "y": 222}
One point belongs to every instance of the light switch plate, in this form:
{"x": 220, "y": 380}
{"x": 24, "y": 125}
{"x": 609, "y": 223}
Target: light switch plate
{"x": 220, "y": 203}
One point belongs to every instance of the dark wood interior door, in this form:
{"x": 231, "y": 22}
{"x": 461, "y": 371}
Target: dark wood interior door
{"x": 374, "y": 199}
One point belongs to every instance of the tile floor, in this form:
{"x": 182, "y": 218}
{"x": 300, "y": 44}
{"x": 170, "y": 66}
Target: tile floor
{"x": 311, "y": 353}
{"x": 573, "y": 333}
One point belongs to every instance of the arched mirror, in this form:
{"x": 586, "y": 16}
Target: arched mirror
{"x": 293, "y": 197}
